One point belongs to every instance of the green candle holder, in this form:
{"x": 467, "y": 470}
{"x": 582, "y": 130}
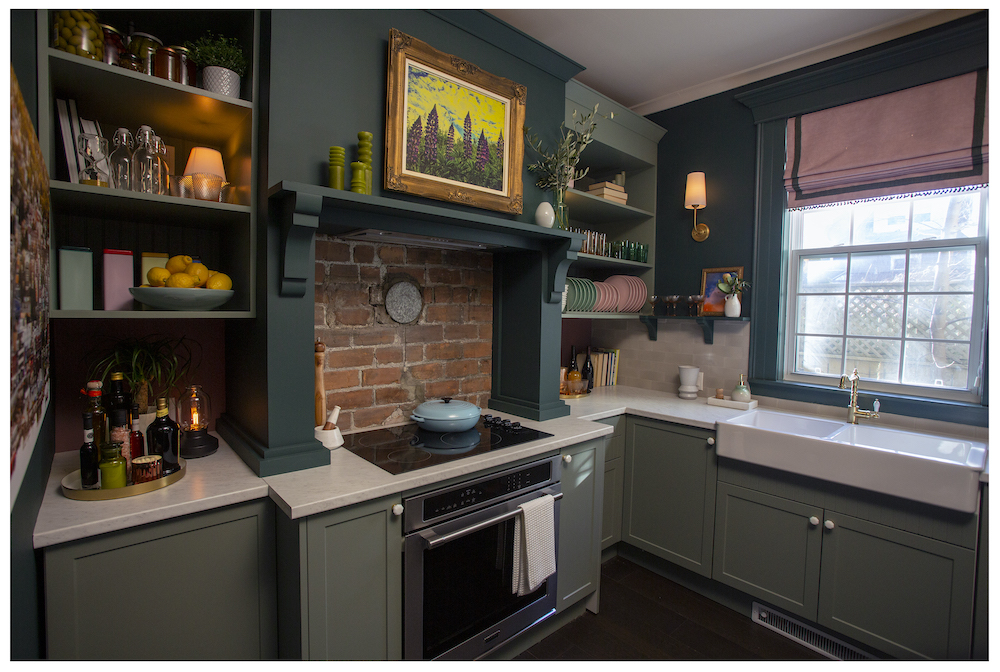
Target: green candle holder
{"x": 358, "y": 180}
{"x": 337, "y": 155}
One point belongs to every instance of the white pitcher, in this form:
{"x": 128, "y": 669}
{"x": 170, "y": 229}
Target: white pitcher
{"x": 692, "y": 380}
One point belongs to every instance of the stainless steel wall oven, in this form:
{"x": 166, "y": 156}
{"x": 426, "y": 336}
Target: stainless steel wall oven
{"x": 458, "y": 563}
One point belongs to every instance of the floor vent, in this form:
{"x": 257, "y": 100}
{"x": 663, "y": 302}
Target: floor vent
{"x": 806, "y": 635}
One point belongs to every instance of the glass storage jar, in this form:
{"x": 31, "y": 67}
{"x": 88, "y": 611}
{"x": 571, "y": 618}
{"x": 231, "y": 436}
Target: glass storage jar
{"x": 189, "y": 69}
{"x": 114, "y": 44}
{"x": 76, "y": 31}
{"x": 144, "y": 46}
{"x": 168, "y": 64}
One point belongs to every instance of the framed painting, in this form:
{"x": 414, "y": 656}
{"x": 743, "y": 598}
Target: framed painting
{"x": 715, "y": 299}
{"x": 453, "y": 131}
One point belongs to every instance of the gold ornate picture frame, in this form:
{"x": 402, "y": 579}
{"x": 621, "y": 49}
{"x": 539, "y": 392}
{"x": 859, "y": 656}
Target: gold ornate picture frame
{"x": 453, "y": 132}
{"x": 715, "y": 299}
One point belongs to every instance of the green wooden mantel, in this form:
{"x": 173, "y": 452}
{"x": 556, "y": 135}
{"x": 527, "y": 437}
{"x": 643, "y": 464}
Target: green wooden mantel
{"x": 530, "y": 265}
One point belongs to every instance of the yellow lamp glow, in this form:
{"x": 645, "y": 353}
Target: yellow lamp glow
{"x": 205, "y": 160}
{"x": 694, "y": 199}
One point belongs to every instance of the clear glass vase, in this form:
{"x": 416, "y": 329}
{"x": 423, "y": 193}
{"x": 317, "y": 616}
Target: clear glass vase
{"x": 561, "y": 209}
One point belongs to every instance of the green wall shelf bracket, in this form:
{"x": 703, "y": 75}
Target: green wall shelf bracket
{"x": 299, "y": 215}
{"x": 706, "y": 323}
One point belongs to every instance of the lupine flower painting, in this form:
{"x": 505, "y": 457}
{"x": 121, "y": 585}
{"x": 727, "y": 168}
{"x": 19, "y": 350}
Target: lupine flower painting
{"x": 439, "y": 110}
{"x": 453, "y": 131}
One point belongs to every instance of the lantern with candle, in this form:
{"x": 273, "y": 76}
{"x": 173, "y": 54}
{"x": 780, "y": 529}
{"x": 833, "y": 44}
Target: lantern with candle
{"x": 194, "y": 413}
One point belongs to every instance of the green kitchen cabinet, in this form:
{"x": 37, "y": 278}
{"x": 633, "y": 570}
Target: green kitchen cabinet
{"x": 669, "y": 492}
{"x": 340, "y": 584}
{"x": 981, "y": 622}
{"x": 580, "y": 514}
{"x": 614, "y": 465}
{"x": 901, "y": 591}
{"x": 199, "y": 587}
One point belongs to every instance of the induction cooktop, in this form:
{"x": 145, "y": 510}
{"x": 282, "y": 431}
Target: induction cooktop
{"x": 406, "y": 448}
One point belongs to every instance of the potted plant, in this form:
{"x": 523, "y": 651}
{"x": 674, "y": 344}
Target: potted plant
{"x": 152, "y": 366}
{"x": 732, "y": 286}
{"x": 556, "y": 170}
{"x": 222, "y": 62}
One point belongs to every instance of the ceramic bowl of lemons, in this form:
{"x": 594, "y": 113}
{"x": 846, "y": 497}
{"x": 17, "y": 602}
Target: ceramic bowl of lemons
{"x": 179, "y": 298}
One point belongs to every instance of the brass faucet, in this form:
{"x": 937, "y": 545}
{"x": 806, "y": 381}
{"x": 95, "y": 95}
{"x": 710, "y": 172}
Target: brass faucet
{"x": 853, "y": 412}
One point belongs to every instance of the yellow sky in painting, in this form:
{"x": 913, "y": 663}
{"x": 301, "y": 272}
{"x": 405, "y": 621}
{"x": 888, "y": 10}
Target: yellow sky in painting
{"x": 425, "y": 89}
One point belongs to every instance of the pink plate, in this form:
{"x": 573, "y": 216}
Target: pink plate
{"x": 622, "y": 285}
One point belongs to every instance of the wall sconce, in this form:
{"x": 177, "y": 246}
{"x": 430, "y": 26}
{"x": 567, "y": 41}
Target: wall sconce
{"x": 694, "y": 198}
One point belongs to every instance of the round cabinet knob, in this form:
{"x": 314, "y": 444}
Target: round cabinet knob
{"x": 829, "y": 524}
{"x": 711, "y": 440}
{"x": 397, "y": 509}
{"x": 567, "y": 458}
{"x": 814, "y": 521}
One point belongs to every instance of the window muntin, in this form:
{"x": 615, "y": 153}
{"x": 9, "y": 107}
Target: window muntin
{"x": 894, "y": 288}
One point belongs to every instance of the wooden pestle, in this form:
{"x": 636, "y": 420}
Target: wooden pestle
{"x": 320, "y": 392}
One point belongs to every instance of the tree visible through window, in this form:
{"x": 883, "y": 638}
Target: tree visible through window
{"x": 894, "y": 288}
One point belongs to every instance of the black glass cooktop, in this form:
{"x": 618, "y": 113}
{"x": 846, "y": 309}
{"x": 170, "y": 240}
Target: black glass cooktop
{"x": 407, "y": 448}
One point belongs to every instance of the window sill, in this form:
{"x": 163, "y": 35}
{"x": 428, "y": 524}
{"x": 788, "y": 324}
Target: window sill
{"x": 976, "y": 415}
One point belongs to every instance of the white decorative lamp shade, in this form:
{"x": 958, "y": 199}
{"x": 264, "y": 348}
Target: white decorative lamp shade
{"x": 205, "y": 160}
{"x": 694, "y": 195}
{"x": 694, "y": 198}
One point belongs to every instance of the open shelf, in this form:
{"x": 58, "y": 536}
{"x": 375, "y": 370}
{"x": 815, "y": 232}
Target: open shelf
{"x": 706, "y": 322}
{"x": 590, "y": 209}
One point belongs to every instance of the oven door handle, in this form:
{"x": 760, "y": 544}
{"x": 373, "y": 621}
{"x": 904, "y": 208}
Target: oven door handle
{"x": 437, "y": 540}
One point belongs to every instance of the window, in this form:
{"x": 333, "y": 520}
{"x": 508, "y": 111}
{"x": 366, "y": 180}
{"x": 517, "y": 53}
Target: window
{"x": 894, "y": 288}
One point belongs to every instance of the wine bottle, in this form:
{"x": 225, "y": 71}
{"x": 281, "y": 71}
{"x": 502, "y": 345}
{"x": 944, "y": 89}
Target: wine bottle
{"x": 163, "y": 437}
{"x": 90, "y": 475}
{"x": 588, "y": 371}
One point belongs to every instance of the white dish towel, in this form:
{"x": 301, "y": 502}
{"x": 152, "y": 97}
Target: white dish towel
{"x": 534, "y": 545}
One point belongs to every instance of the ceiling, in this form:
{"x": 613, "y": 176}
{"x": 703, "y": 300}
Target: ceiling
{"x": 653, "y": 59}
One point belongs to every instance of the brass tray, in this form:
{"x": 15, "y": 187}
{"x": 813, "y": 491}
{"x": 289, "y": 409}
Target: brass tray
{"x": 72, "y": 488}
{"x": 574, "y": 396}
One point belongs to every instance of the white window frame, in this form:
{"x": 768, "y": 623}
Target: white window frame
{"x": 980, "y": 301}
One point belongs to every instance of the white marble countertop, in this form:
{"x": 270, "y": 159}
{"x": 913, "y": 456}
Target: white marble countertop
{"x": 351, "y": 479}
{"x": 210, "y": 482}
{"x": 606, "y": 402}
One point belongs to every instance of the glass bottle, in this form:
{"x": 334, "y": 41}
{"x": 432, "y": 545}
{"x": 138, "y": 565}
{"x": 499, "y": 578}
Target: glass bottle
{"x": 94, "y": 150}
{"x": 116, "y": 397}
{"x": 145, "y": 163}
{"x": 573, "y": 371}
{"x": 588, "y": 371}
{"x": 112, "y": 466}
{"x": 118, "y": 432}
{"x": 96, "y": 408}
{"x": 90, "y": 474}
{"x": 163, "y": 178}
{"x": 121, "y": 159}
{"x": 137, "y": 442}
{"x": 163, "y": 437}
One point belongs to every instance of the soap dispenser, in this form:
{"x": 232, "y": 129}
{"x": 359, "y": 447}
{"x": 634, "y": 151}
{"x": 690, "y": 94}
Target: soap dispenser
{"x": 742, "y": 391}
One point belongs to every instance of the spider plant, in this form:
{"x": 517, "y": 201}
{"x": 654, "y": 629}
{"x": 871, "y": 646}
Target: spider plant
{"x": 151, "y": 365}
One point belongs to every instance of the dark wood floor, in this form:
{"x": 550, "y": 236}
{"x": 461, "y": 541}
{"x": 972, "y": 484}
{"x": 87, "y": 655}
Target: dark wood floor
{"x": 647, "y": 617}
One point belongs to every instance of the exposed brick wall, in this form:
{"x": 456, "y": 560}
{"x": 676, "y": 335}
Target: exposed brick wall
{"x": 378, "y": 370}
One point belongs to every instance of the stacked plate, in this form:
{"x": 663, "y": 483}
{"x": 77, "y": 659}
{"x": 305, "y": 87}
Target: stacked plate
{"x": 618, "y": 294}
{"x": 631, "y": 292}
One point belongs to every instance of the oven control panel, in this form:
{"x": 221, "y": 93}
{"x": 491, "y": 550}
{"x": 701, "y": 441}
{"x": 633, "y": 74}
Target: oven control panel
{"x": 489, "y": 489}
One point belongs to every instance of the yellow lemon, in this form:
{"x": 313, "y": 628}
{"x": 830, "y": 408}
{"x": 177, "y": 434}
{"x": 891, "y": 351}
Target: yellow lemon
{"x": 220, "y": 281}
{"x": 181, "y": 280}
{"x": 200, "y": 271}
{"x": 157, "y": 276}
{"x": 211, "y": 273}
{"x": 178, "y": 263}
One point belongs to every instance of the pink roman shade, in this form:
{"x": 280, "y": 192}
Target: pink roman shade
{"x": 925, "y": 138}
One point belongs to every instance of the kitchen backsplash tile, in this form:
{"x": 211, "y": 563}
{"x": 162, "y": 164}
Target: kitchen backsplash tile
{"x": 378, "y": 370}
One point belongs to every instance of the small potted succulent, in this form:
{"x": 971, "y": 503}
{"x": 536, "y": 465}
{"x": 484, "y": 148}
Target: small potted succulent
{"x": 732, "y": 286}
{"x": 221, "y": 61}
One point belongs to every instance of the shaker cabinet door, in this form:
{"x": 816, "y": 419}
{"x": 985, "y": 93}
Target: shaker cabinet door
{"x": 669, "y": 498}
{"x": 580, "y": 513}
{"x": 768, "y": 547}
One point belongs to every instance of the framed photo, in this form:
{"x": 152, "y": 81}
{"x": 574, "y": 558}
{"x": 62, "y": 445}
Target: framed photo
{"x": 453, "y": 132}
{"x": 715, "y": 299}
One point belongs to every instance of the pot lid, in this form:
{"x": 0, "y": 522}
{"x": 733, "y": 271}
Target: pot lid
{"x": 447, "y": 408}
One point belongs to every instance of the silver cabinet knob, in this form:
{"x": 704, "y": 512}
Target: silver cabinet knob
{"x": 397, "y": 509}
{"x": 814, "y": 521}
{"x": 829, "y": 524}
{"x": 711, "y": 440}
{"x": 567, "y": 458}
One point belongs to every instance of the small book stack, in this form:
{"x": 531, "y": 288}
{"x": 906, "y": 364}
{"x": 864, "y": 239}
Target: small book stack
{"x": 608, "y": 190}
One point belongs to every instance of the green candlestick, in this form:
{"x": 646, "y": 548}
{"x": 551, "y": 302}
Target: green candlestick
{"x": 358, "y": 177}
{"x": 337, "y": 155}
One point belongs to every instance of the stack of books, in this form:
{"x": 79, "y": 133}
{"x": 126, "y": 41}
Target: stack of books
{"x": 605, "y": 363}
{"x": 608, "y": 190}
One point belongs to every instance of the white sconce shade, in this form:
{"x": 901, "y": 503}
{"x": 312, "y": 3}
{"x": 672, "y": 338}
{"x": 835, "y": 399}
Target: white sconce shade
{"x": 694, "y": 195}
{"x": 205, "y": 160}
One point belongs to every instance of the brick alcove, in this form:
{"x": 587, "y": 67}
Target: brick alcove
{"x": 378, "y": 370}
